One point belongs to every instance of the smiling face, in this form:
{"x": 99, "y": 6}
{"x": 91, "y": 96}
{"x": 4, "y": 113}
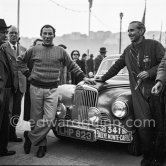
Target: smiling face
{"x": 135, "y": 34}
{"x": 47, "y": 36}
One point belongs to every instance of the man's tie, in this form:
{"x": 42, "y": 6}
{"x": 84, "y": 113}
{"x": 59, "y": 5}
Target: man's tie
{"x": 14, "y": 47}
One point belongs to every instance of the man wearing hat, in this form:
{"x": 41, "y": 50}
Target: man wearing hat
{"x": 100, "y": 57}
{"x": 6, "y": 86}
{"x": 3, "y": 31}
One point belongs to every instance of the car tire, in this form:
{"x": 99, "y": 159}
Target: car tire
{"x": 134, "y": 148}
{"x": 58, "y": 136}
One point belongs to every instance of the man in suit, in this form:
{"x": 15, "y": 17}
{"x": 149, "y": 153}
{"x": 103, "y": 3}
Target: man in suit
{"x": 6, "y": 84}
{"x": 12, "y": 50}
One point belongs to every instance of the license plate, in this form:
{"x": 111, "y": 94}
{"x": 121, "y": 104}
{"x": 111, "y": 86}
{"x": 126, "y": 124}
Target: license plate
{"x": 87, "y": 135}
{"x": 114, "y": 133}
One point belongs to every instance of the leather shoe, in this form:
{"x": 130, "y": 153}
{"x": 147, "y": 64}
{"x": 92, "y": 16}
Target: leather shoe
{"x": 41, "y": 151}
{"x": 146, "y": 161}
{"x": 7, "y": 153}
{"x": 15, "y": 139}
{"x": 27, "y": 143}
{"x": 157, "y": 161}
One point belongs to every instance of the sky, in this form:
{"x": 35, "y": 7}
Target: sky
{"x": 69, "y": 16}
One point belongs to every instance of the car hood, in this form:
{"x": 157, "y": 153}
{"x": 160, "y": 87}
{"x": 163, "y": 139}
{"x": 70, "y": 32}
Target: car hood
{"x": 115, "y": 82}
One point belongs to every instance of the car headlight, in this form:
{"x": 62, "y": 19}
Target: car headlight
{"x": 93, "y": 115}
{"x": 61, "y": 111}
{"x": 119, "y": 109}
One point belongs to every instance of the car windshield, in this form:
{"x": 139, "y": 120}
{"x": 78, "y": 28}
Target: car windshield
{"x": 105, "y": 66}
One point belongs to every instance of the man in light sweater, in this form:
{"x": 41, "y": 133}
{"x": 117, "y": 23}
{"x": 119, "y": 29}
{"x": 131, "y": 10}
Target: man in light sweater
{"x": 44, "y": 78}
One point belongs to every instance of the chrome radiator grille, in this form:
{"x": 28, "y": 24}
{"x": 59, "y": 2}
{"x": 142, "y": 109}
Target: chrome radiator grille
{"x": 85, "y": 97}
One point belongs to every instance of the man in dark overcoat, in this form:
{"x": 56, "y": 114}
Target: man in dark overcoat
{"x": 6, "y": 86}
{"x": 142, "y": 58}
{"x": 99, "y": 58}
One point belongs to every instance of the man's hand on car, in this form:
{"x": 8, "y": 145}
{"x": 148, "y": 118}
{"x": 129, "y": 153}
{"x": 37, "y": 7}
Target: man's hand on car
{"x": 98, "y": 79}
{"x": 89, "y": 81}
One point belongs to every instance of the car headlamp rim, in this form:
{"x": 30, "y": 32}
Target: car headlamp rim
{"x": 94, "y": 114}
{"x": 124, "y": 110}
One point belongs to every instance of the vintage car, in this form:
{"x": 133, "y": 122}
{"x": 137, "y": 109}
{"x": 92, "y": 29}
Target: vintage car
{"x": 102, "y": 111}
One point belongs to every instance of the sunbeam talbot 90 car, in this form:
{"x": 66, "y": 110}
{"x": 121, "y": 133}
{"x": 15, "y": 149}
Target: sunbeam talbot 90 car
{"x": 102, "y": 111}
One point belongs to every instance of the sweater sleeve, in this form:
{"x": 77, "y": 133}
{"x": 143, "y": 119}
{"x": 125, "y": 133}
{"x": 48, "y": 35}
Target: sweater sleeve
{"x": 119, "y": 64}
{"x": 22, "y": 61}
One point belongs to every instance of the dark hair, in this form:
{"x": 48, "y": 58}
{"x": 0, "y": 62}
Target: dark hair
{"x": 84, "y": 55}
{"x": 140, "y": 25}
{"x": 74, "y": 52}
{"x": 63, "y": 46}
{"x": 47, "y": 26}
{"x": 91, "y": 55}
{"x": 34, "y": 43}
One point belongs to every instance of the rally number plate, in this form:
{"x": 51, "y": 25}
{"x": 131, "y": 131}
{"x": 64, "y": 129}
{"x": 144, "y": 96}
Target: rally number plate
{"x": 114, "y": 133}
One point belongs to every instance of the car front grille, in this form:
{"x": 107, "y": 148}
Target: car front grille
{"x": 85, "y": 97}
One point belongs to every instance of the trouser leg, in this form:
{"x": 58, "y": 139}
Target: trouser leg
{"x": 4, "y": 132}
{"x": 157, "y": 110}
{"x": 145, "y": 134}
{"x": 43, "y": 110}
{"x": 27, "y": 103}
{"x": 4, "y": 129}
{"x": 16, "y": 111}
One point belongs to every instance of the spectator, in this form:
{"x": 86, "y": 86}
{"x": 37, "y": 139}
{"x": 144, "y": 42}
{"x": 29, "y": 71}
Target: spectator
{"x": 63, "y": 46}
{"x": 99, "y": 58}
{"x": 44, "y": 80}
{"x": 12, "y": 50}
{"x": 90, "y": 65}
{"x": 83, "y": 64}
{"x": 64, "y": 74}
{"x": 75, "y": 54}
{"x": 160, "y": 89}
{"x": 37, "y": 42}
{"x": 6, "y": 87}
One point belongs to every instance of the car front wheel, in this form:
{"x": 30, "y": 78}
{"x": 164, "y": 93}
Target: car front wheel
{"x": 58, "y": 136}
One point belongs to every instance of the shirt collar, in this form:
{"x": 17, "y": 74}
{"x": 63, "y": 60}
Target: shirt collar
{"x": 12, "y": 45}
{"x": 47, "y": 45}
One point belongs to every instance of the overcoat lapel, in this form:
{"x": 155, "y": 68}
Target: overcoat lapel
{"x": 9, "y": 51}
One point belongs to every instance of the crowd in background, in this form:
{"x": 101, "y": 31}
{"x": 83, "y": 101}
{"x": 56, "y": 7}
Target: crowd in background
{"x": 33, "y": 72}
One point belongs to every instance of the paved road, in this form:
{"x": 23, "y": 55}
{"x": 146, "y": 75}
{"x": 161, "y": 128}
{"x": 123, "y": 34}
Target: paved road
{"x": 72, "y": 152}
